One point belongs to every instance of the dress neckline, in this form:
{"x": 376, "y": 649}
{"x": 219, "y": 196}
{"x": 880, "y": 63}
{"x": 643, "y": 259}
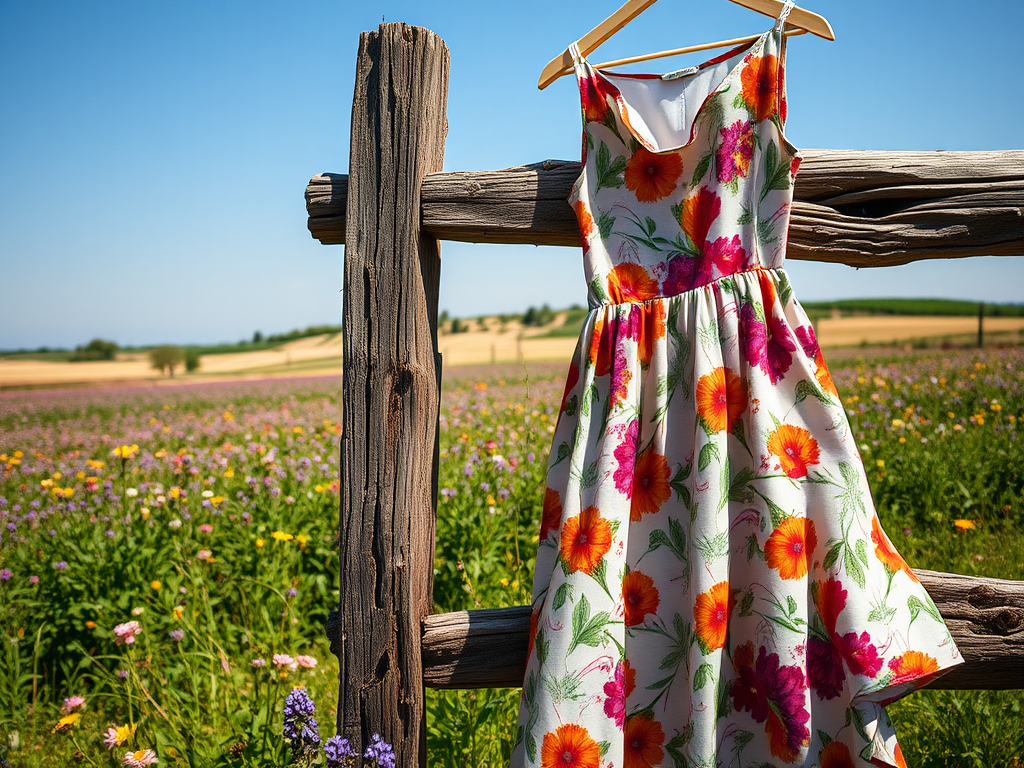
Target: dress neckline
{"x": 624, "y": 108}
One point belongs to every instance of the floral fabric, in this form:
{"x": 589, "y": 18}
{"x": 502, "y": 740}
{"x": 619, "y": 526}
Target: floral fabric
{"x": 713, "y": 587}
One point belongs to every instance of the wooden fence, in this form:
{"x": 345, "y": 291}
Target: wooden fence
{"x": 858, "y": 208}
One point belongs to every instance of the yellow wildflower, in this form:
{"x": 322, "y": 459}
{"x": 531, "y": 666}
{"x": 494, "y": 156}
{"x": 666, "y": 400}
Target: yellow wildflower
{"x": 67, "y": 722}
{"x": 96, "y": 464}
{"x": 175, "y": 492}
{"x": 46, "y": 483}
{"x": 996, "y": 407}
{"x": 303, "y": 539}
{"x": 215, "y": 500}
{"x": 297, "y": 430}
{"x": 57, "y": 475}
{"x": 229, "y": 472}
{"x": 80, "y": 475}
{"x": 965, "y": 525}
{"x": 145, "y": 513}
{"x": 178, "y": 612}
{"x": 881, "y": 463}
{"x": 260, "y": 542}
{"x": 69, "y": 492}
{"x": 155, "y": 584}
{"x": 90, "y": 625}
{"x": 318, "y": 488}
{"x": 126, "y": 451}
{"x": 159, "y": 454}
{"x": 503, "y": 582}
{"x": 282, "y": 536}
{"x": 228, "y": 416}
{"x": 115, "y": 737}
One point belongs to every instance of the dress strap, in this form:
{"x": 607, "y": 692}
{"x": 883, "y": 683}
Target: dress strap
{"x": 578, "y": 62}
{"x": 783, "y": 15}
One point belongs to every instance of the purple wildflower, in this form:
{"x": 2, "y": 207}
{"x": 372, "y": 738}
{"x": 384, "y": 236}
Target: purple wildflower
{"x": 300, "y": 727}
{"x": 176, "y": 635}
{"x": 380, "y": 752}
{"x": 60, "y": 565}
{"x": 339, "y": 753}
{"x": 5, "y": 574}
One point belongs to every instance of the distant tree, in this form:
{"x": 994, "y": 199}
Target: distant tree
{"x": 443, "y": 317}
{"x": 458, "y": 326}
{"x": 97, "y": 349}
{"x": 482, "y": 323}
{"x": 530, "y": 318}
{"x": 257, "y": 337}
{"x": 192, "y": 361}
{"x": 166, "y": 357}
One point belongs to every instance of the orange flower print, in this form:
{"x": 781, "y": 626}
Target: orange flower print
{"x": 639, "y": 597}
{"x": 652, "y": 328}
{"x": 552, "y": 515}
{"x": 602, "y": 347}
{"x": 795, "y": 449}
{"x": 898, "y": 754}
{"x": 721, "y": 398}
{"x": 569, "y": 746}
{"x": 642, "y": 738}
{"x": 760, "y": 80}
{"x": 790, "y": 548}
{"x": 586, "y": 538}
{"x": 650, "y": 484}
{"x": 586, "y": 222}
{"x": 711, "y": 616}
{"x": 631, "y": 282}
{"x": 886, "y": 552}
{"x": 835, "y": 755}
{"x": 698, "y": 213}
{"x": 652, "y": 176}
{"x": 912, "y": 665}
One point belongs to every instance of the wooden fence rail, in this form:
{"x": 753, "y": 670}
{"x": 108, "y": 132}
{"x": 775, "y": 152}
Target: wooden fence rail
{"x": 487, "y": 648}
{"x": 859, "y": 208}
{"x": 862, "y": 208}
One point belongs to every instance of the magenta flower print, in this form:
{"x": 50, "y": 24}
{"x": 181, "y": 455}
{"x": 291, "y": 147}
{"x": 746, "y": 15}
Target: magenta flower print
{"x": 808, "y": 341}
{"x": 779, "y": 351}
{"x": 727, "y": 254}
{"x": 625, "y": 455}
{"x": 825, "y": 671}
{"x": 774, "y": 694}
{"x": 735, "y": 151}
{"x": 827, "y": 650}
{"x": 615, "y": 691}
{"x": 686, "y": 272}
{"x": 753, "y": 336}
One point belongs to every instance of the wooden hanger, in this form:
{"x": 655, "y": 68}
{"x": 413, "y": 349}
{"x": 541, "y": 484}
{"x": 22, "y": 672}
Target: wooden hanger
{"x": 804, "y": 21}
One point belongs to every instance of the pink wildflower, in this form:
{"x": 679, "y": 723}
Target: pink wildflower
{"x": 125, "y": 633}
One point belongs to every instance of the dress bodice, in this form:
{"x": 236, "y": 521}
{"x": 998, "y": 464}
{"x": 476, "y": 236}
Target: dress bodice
{"x": 687, "y": 177}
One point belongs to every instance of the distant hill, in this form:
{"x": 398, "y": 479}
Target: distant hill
{"x": 954, "y": 307}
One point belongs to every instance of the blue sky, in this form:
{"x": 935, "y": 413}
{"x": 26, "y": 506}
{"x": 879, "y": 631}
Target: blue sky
{"x": 153, "y": 156}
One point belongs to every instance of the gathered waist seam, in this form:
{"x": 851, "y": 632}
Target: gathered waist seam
{"x": 691, "y": 291}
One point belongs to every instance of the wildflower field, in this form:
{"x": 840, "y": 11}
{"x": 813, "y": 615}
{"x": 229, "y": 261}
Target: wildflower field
{"x": 168, "y": 555}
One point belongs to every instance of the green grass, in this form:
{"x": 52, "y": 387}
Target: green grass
{"x": 196, "y": 698}
{"x": 916, "y": 307}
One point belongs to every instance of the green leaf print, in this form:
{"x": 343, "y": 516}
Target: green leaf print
{"x": 705, "y": 674}
{"x": 566, "y": 687}
{"x": 807, "y": 388}
{"x": 707, "y": 453}
{"x": 587, "y": 629}
{"x": 597, "y": 289}
{"x": 609, "y": 171}
{"x": 600, "y": 572}
{"x": 714, "y": 547}
{"x": 543, "y": 646}
{"x": 916, "y": 605}
{"x": 746, "y": 603}
{"x": 854, "y": 569}
{"x": 562, "y": 594}
{"x": 589, "y": 475}
{"x": 740, "y": 489}
{"x": 605, "y": 224}
{"x": 882, "y": 613}
{"x": 603, "y": 747}
{"x": 862, "y": 552}
{"x": 698, "y": 173}
{"x": 678, "y": 483}
{"x": 785, "y": 290}
{"x": 531, "y": 747}
{"x": 776, "y": 173}
{"x": 832, "y": 556}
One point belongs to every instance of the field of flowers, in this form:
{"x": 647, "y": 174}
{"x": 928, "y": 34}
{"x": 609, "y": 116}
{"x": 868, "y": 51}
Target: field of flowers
{"x": 168, "y": 555}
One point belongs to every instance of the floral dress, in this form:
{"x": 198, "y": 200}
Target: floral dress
{"x": 712, "y": 585}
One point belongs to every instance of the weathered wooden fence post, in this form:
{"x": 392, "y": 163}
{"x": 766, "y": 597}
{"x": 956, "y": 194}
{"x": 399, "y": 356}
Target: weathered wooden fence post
{"x": 391, "y": 388}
